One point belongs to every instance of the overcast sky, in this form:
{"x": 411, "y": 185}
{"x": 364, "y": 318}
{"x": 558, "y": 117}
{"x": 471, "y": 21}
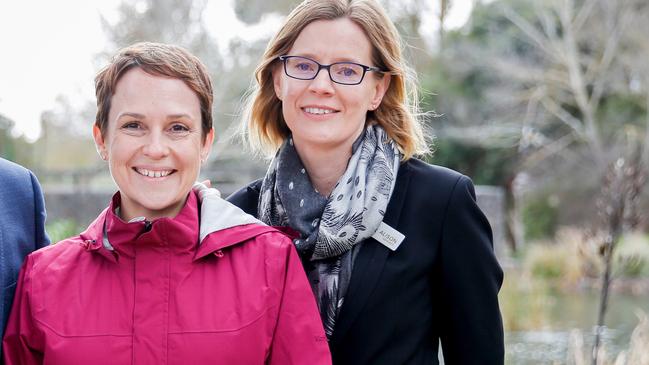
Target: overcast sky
{"x": 49, "y": 47}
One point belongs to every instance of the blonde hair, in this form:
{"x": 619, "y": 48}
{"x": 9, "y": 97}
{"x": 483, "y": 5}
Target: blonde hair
{"x": 263, "y": 125}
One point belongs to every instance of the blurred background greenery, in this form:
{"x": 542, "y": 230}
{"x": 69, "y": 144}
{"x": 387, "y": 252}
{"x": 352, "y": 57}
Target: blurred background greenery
{"x": 544, "y": 99}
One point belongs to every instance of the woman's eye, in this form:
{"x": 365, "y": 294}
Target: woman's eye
{"x": 131, "y": 125}
{"x": 303, "y": 66}
{"x": 179, "y": 128}
{"x": 347, "y": 71}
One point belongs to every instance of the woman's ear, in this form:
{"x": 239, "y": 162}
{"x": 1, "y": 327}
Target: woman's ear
{"x": 100, "y": 144}
{"x": 380, "y": 89}
{"x": 207, "y": 145}
{"x": 277, "y": 81}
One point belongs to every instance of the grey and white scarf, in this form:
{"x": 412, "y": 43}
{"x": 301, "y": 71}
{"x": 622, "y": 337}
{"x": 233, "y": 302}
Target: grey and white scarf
{"x": 331, "y": 229}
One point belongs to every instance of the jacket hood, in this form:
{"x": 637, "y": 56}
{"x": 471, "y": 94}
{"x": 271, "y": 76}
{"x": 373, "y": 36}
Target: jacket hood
{"x": 218, "y": 214}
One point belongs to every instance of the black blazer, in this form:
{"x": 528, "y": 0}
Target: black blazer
{"x": 442, "y": 282}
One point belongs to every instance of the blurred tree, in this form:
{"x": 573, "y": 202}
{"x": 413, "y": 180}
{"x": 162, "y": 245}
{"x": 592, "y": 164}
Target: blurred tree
{"x": 65, "y": 141}
{"x": 556, "y": 72}
{"x": 619, "y": 214}
{"x": 6, "y": 141}
{"x": 252, "y": 11}
{"x": 178, "y": 22}
{"x": 14, "y": 148}
{"x": 555, "y": 82}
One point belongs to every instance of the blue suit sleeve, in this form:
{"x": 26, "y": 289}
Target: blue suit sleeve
{"x": 40, "y": 235}
{"x": 471, "y": 277}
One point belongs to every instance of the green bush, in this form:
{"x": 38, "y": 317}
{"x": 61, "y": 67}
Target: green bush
{"x": 558, "y": 261}
{"x": 61, "y": 229}
{"x": 540, "y": 218}
{"x": 632, "y": 256}
{"x": 544, "y": 262}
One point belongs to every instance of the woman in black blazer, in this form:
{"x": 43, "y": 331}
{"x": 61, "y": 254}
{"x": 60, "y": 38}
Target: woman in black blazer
{"x": 397, "y": 252}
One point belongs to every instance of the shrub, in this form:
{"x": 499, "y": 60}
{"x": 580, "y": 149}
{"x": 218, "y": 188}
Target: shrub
{"x": 632, "y": 256}
{"x": 540, "y": 218}
{"x": 563, "y": 258}
{"x": 546, "y": 261}
{"x": 61, "y": 229}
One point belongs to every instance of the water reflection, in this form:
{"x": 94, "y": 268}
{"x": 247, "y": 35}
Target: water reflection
{"x": 565, "y": 312}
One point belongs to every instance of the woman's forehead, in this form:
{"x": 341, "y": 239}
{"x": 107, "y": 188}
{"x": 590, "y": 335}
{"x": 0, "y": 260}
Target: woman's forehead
{"x": 140, "y": 92}
{"x": 332, "y": 41}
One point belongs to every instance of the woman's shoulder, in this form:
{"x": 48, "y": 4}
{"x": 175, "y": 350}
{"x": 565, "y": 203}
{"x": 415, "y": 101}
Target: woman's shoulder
{"x": 251, "y": 188}
{"x": 275, "y": 241}
{"x": 426, "y": 187}
{"x": 63, "y": 254}
{"x": 425, "y": 174}
{"x": 247, "y": 197}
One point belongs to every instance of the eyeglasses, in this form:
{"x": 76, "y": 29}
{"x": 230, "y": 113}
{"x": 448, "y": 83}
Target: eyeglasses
{"x": 345, "y": 73}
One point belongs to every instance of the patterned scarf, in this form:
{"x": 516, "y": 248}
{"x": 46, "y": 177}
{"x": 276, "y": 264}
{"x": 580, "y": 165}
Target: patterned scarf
{"x": 331, "y": 229}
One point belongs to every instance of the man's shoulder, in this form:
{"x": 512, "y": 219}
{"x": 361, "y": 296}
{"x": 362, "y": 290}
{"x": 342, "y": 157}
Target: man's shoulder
{"x": 10, "y": 171}
{"x": 17, "y": 186}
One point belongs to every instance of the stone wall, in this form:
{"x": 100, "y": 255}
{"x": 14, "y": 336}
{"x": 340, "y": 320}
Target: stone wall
{"x": 83, "y": 207}
{"x": 491, "y": 199}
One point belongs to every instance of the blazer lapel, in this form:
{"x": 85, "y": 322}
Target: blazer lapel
{"x": 370, "y": 261}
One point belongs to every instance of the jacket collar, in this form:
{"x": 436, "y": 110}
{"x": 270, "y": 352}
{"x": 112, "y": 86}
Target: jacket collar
{"x": 112, "y": 237}
{"x": 221, "y": 225}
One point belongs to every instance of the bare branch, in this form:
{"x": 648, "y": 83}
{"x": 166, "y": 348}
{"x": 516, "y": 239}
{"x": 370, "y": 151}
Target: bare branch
{"x": 577, "y": 81}
{"x": 534, "y": 35}
{"x": 532, "y": 105}
{"x": 610, "y": 51}
{"x": 583, "y": 14}
{"x": 548, "y": 150}
{"x": 563, "y": 115}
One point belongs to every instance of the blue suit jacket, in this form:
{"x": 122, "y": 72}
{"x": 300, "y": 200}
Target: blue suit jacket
{"x": 22, "y": 227}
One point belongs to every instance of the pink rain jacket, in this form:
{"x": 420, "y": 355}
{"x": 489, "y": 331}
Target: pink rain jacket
{"x": 150, "y": 293}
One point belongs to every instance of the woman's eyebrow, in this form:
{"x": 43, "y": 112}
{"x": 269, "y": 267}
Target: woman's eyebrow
{"x": 131, "y": 114}
{"x": 179, "y": 116}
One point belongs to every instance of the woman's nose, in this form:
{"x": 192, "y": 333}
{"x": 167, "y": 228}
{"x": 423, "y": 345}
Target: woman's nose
{"x": 322, "y": 83}
{"x": 156, "y": 146}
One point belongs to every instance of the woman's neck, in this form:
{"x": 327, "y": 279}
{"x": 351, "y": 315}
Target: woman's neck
{"x": 325, "y": 166}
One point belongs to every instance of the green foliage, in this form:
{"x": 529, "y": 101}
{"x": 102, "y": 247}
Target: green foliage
{"x": 540, "y": 218}
{"x": 619, "y": 112}
{"x": 632, "y": 266}
{"x": 546, "y": 261}
{"x": 525, "y": 302}
{"x": 252, "y": 11}
{"x": 62, "y": 229}
{"x": 485, "y": 165}
{"x": 15, "y": 149}
{"x": 632, "y": 256}
{"x": 561, "y": 261}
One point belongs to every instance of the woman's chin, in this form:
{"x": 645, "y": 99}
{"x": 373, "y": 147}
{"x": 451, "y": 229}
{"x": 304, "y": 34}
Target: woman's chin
{"x": 153, "y": 207}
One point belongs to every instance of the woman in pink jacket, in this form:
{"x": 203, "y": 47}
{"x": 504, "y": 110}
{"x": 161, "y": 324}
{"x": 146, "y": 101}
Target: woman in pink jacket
{"x": 144, "y": 284}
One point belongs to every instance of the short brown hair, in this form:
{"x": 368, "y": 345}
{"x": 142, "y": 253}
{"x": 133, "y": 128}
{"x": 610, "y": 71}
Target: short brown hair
{"x": 160, "y": 60}
{"x": 264, "y": 126}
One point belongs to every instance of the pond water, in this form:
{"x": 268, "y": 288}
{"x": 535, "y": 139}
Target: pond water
{"x": 569, "y": 311}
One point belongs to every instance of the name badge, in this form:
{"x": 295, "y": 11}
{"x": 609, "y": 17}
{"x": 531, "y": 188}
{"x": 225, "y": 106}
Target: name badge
{"x": 388, "y": 236}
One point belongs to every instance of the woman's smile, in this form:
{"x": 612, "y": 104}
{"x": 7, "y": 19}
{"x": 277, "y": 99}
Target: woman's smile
{"x": 153, "y": 143}
{"x": 153, "y": 173}
{"x": 319, "y": 113}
